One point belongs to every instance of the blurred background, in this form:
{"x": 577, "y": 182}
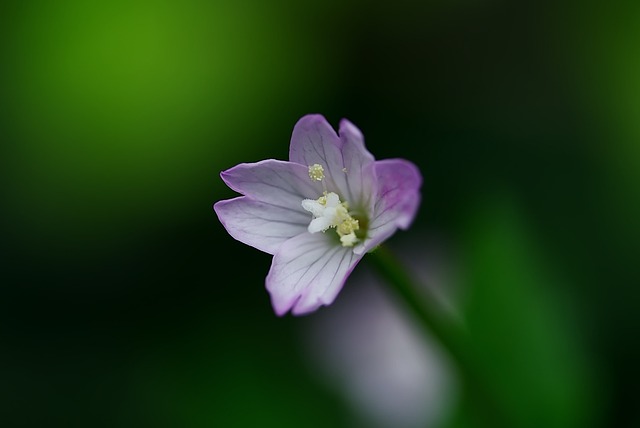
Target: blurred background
{"x": 124, "y": 303}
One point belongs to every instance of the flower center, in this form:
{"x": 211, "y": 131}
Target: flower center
{"x": 328, "y": 212}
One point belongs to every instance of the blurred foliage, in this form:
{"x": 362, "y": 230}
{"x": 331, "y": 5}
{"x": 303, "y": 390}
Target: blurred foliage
{"x": 525, "y": 338}
{"x": 124, "y": 302}
{"x": 120, "y": 114}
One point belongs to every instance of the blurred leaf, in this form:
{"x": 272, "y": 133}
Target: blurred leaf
{"x": 521, "y": 335}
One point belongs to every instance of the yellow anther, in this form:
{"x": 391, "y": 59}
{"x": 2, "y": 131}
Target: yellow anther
{"x": 330, "y": 213}
{"x": 348, "y": 226}
{"x": 348, "y": 240}
{"x": 316, "y": 172}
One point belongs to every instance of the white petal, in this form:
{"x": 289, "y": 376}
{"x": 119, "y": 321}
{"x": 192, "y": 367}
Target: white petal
{"x": 260, "y": 225}
{"x": 397, "y": 202}
{"x": 348, "y": 164}
{"x": 314, "y": 141}
{"x": 276, "y": 182}
{"x": 307, "y": 272}
{"x": 358, "y": 162}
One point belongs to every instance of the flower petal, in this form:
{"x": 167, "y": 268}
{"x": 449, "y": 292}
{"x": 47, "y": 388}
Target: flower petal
{"x": 307, "y": 272}
{"x": 396, "y": 203}
{"x": 314, "y": 141}
{"x": 259, "y": 224}
{"x": 276, "y": 182}
{"x": 358, "y": 163}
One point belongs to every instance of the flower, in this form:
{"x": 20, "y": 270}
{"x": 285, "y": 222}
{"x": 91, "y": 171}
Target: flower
{"x": 320, "y": 212}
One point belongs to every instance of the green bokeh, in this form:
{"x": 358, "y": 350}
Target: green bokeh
{"x": 119, "y": 113}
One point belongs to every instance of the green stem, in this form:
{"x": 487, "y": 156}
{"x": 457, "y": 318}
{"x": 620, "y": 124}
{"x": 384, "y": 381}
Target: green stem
{"x": 449, "y": 334}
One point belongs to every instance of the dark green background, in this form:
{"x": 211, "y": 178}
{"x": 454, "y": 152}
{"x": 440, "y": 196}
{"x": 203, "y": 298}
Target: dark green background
{"x": 124, "y": 302}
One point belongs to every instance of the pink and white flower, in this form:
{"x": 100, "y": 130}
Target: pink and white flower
{"x": 319, "y": 212}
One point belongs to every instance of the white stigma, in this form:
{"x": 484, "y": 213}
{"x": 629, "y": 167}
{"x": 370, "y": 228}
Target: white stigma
{"x": 329, "y": 212}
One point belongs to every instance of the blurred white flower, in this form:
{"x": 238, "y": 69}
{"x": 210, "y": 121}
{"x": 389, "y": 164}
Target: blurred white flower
{"x": 389, "y": 372}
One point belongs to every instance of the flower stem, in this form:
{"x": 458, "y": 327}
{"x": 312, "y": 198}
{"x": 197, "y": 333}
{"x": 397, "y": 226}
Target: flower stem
{"x": 448, "y": 331}
{"x": 451, "y": 335}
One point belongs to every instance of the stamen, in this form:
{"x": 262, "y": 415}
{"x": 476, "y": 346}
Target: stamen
{"x": 316, "y": 172}
{"x": 349, "y": 240}
{"x": 349, "y": 225}
{"x": 328, "y": 212}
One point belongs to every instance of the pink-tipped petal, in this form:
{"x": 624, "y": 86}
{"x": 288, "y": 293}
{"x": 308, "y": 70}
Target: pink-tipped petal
{"x": 314, "y": 141}
{"x": 397, "y": 200}
{"x": 276, "y": 182}
{"x": 260, "y": 225}
{"x": 308, "y": 271}
{"x": 358, "y": 164}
